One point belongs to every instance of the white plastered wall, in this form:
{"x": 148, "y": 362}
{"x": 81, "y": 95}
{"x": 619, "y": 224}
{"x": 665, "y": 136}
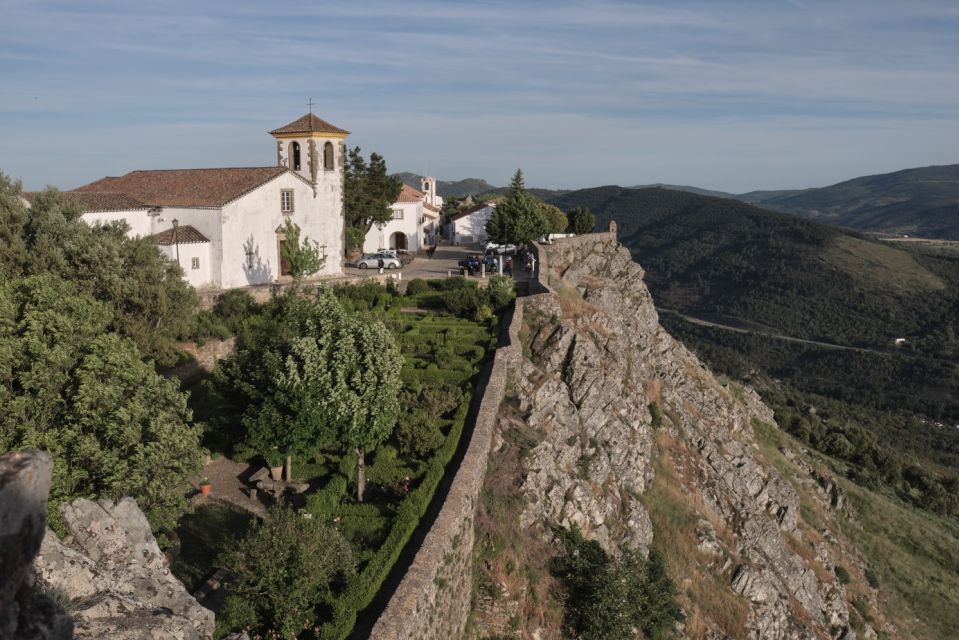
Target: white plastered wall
{"x": 379, "y": 238}
{"x": 199, "y": 277}
{"x": 250, "y": 224}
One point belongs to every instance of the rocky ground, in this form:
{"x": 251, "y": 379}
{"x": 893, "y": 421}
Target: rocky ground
{"x": 625, "y": 434}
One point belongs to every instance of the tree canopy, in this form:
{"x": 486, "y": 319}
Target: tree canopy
{"x": 581, "y": 220}
{"x": 368, "y": 194}
{"x": 282, "y": 570}
{"x": 520, "y": 218}
{"x": 556, "y": 221}
{"x": 72, "y": 387}
{"x": 309, "y": 373}
{"x": 145, "y": 294}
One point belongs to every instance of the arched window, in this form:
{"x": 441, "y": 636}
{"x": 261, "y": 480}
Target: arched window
{"x": 295, "y": 156}
{"x": 328, "y": 156}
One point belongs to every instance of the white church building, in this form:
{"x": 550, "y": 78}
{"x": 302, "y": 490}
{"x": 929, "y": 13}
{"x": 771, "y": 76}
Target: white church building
{"x": 225, "y": 226}
{"x": 415, "y": 222}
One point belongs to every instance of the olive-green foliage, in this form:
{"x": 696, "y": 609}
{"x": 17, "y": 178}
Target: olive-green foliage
{"x": 232, "y": 309}
{"x": 281, "y": 571}
{"x": 147, "y": 299}
{"x": 85, "y": 394}
{"x": 842, "y": 574}
{"x": 464, "y": 298}
{"x": 655, "y": 414}
{"x": 581, "y": 220}
{"x": 556, "y": 220}
{"x": 306, "y": 373}
{"x": 608, "y": 599}
{"x": 302, "y": 256}
{"x": 418, "y": 430}
{"x": 417, "y": 286}
{"x": 519, "y": 219}
{"x": 502, "y": 291}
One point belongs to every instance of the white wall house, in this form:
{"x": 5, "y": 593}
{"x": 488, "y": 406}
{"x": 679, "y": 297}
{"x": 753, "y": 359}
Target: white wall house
{"x": 224, "y": 226}
{"x": 469, "y": 225}
{"x": 415, "y": 221}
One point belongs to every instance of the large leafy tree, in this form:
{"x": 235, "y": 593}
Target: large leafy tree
{"x": 147, "y": 299}
{"x": 519, "y": 219}
{"x": 581, "y": 220}
{"x": 368, "y": 193}
{"x": 309, "y": 373}
{"x": 556, "y": 221}
{"x": 281, "y": 571}
{"x": 85, "y": 394}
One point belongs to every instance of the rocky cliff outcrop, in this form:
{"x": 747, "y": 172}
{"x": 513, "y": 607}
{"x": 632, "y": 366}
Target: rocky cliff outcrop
{"x": 630, "y": 438}
{"x": 116, "y": 578}
{"x": 25, "y": 612}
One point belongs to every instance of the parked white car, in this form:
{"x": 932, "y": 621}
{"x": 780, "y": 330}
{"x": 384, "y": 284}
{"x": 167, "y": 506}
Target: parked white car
{"x": 372, "y": 261}
{"x": 492, "y": 248}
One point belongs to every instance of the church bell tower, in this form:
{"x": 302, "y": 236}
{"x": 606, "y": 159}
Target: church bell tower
{"x": 313, "y": 148}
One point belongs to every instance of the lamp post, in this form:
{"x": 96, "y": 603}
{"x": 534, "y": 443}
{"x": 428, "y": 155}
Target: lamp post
{"x": 176, "y": 241}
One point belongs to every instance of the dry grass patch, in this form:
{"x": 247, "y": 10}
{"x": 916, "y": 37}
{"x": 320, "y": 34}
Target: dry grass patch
{"x": 512, "y": 563}
{"x": 571, "y": 302}
{"x": 675, "y": 508}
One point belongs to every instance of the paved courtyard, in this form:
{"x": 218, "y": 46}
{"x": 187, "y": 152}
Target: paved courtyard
{"x": 444, "y": 261}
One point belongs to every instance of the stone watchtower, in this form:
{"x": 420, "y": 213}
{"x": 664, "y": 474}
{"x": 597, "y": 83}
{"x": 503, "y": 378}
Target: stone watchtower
{"x": 315, "y": 149}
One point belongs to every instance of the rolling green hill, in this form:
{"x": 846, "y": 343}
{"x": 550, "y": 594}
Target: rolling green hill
{"x": 721, "y": 257}
{"x": 449, "y": 188}
{"x": 922, "y": 202}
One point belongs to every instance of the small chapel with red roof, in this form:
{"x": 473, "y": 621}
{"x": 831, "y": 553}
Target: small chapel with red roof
{"x": 224, "y": 226}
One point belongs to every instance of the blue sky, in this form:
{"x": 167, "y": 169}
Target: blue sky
{"x": 724, "y": 95}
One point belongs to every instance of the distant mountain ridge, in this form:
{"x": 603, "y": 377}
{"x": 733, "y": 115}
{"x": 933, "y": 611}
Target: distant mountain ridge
{"x": 922, "y": 201}
{"x": 449, "y": 188}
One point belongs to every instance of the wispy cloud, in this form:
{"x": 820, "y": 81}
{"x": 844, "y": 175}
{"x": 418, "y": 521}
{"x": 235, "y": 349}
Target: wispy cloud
{"x": 576, "y": 92}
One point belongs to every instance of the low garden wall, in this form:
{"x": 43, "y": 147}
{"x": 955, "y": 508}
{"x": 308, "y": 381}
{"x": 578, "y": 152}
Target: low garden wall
{"x": 433, "y": 599}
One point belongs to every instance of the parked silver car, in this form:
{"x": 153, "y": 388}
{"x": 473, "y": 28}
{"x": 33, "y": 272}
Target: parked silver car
{"x": 372, "y": 261}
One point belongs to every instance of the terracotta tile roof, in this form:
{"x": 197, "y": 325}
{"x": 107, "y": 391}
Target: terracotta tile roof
{"x": 409, "y": 194}
{"x": 183, "y": 234}
{"x": 185, "y": 187}
{"x": 471, "y": 210}
{"x": 310, "y": 124}
{"x": 434, "y": 208}
{"x": 96, "y": 201}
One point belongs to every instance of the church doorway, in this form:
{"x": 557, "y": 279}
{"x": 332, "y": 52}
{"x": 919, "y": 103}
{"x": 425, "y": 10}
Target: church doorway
{"x": 398, "y": 240}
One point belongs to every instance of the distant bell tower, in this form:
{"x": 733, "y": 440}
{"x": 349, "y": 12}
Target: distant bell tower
{"x": 428, "y": 187}
{"x": 313, "y": 148}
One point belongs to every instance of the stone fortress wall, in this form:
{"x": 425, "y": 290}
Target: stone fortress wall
{"x": 433, "y": 600}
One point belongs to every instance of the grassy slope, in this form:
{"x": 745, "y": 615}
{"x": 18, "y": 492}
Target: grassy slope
{"x": 911, "y": 556}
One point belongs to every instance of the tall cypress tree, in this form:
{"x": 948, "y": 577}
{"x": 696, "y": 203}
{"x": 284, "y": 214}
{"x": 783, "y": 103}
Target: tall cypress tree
{"x": 518, "y": 220}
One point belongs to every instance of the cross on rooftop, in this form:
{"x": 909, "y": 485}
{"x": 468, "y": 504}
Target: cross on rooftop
{"x": 310, "y": 104}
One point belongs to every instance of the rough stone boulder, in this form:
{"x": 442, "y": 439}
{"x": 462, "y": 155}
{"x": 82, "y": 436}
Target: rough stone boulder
{"x": 111, "y": 568}
{"x": 25, "y": 614}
